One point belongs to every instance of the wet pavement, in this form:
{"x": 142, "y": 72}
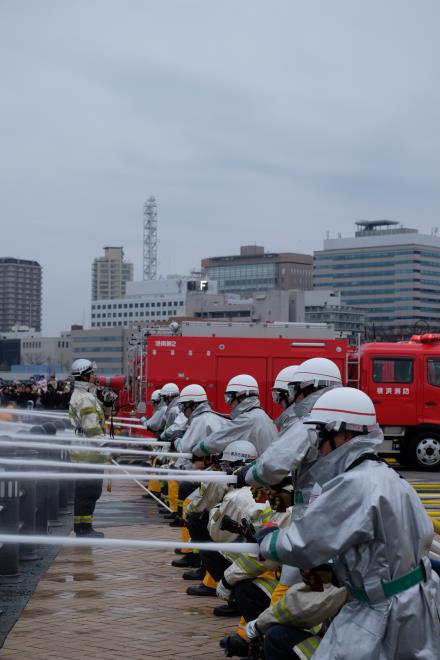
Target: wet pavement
{"x": 99, "y": 603}
{"x": 15, "y": 592}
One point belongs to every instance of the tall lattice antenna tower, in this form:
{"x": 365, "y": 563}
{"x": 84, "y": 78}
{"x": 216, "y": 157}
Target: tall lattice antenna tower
{"x": 150, "y": 239}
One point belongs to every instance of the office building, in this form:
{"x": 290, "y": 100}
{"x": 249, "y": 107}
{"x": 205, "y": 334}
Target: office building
{"x": 147, "y": 301}
{"x": 105, "y": 346}
{"x": 25, "y": 350}
{"x": 256, "y": 270}
{"x": 259, "y": 307}
{"x": 390, "y": 271}
{"x": 324, "y": 306}
{"x": 110, "y": 274}
{"x": 20, "y": 293}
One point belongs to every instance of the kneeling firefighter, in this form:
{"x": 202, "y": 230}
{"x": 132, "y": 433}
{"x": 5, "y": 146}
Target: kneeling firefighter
{"x": 293, "y": 447}
{"x": 372, "y": 525}
{"x": 248, "y": 420}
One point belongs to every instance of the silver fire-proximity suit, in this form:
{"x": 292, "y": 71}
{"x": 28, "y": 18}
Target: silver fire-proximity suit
{"x": 248, "y": 422}
{"x": 371, "y": 523}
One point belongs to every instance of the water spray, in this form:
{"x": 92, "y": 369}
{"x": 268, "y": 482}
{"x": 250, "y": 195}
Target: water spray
{"x": 71, "y": 541}
{"x": 46, "y": 475}
{"x": 156, "y": 472}
{"x": 15, "y": 443}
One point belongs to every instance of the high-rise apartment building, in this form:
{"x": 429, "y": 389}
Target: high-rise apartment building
{"x": 110, "y": 274}
{"x": 256, "y": 270}
{"x": 391, "y": 271}
{"x": 20, "y": 293}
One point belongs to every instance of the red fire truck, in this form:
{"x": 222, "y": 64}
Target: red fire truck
{"x": 403, "y": 378}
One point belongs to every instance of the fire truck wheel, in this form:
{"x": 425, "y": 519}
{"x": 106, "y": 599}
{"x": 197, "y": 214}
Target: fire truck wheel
{"x": 423, "y": 451}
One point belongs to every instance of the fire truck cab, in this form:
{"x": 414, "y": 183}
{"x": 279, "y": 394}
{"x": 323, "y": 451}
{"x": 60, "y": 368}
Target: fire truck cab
{"x": 403, "y": 380}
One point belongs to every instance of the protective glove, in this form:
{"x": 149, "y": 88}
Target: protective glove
{"x": 223, "y": 590}
{"x": 265, "y": 531}
{"x": 261, "y": 535}
{"x": 252, "y": 630}
{"x": 241, "y": 475}
{"x": 144, "y": 422}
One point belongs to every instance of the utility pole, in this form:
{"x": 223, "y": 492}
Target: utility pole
{"x": 150, "y": 239}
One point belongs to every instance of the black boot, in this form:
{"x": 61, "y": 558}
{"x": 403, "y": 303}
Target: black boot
{"x": 201, "y": 590}
{"x": 230, "y": 609}
{"x": 189, "y": 560}
{"x": 234, "y": 645}
{"x": 88, "y": 532}
{"x": 196, "y": 574}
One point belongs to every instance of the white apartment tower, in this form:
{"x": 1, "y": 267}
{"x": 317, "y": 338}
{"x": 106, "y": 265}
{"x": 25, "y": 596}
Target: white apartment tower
{"x": 110, "y": 274}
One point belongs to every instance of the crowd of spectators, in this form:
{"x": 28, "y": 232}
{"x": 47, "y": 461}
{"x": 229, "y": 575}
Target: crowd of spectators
{"x": 37, "y": 392}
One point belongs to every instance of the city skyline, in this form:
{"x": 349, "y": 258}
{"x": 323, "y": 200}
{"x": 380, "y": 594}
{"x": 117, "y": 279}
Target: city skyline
{"x": 249, "y": 124}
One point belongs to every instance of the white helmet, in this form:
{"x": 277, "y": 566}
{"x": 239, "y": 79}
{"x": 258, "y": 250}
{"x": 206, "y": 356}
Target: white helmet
{"x": 81, "y": 366}
{"x": 343, "y": 408}
{"x": 239, "y": 450}
{"x": 318, "y": 372}
{"x": 193, "y": 394}
{"x": 169, "y": 390}
{"x": 281, "y": 384}
{"x": 155, "y": 396}
{"x": 285, "y": 377}
{"x": 243, "y": 384}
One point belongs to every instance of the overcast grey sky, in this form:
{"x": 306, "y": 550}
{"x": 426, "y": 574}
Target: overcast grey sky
{"x": 249, "y": 120}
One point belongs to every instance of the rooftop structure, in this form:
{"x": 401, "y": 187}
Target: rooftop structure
{"x": 150, "y": 240}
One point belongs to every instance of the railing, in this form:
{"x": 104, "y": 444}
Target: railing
{"x": 29, "y": 507}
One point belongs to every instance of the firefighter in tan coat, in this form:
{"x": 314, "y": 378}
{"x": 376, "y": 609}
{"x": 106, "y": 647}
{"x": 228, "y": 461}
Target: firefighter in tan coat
{"x": 87, "y": 416}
